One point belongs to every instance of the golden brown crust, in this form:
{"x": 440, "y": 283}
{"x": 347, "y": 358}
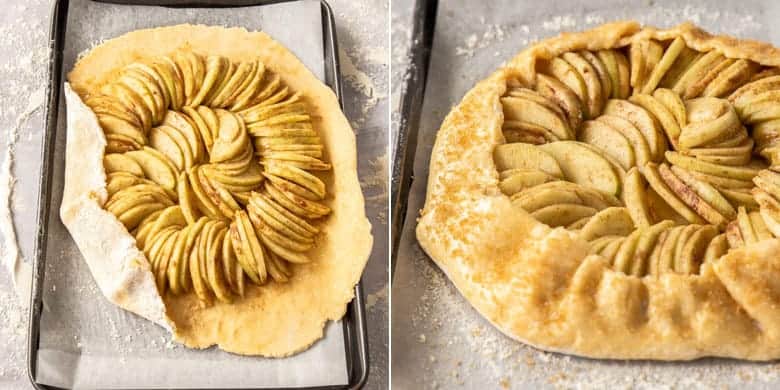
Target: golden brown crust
{"x": 539, "y": 286}
{"x": 277, "y": 319}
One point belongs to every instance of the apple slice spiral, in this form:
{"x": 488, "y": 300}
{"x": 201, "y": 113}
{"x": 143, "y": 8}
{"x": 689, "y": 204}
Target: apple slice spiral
{"x": 214, "y": 167}
{"x": 655, "y": 153}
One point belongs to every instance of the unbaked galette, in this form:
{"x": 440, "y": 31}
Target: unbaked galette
{"x": 615, "y": 193}
{"x": 211, "y": 185}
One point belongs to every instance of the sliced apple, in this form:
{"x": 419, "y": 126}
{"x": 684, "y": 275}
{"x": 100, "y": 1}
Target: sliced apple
{"x": 759, "y": 227}
{"x": 644, "y": 55}
{"x": 694, "y": 249}
{"x": 734, "y": 235}
{"x": 115, "y": 162}
{"x": 667, "y": 120}
{"x": 635, "y": 199}
{"x": 298, "y": 205}
{"x": 746, "y": 227}
{"x": 653, "y": 177}
{"x": 740, "y": 197}
{"x": 638, "y": 142}
{"x": 529, "y": 111}
{"x": 578, "y": 224}
{"x": 296, "y": 225}
{"x": 589, "y": 196}
{"x": 609, "y": 141}
{"x": 611, "y": 249}
{"x": 243, "y": 100}
{"x": 730, "y": 172}
{"x": 697, "y": 88}
{"x": 598, "y": 245}
{"x": 687, "y": 85}
{"x": 562, "y": 214}
{"x": 115, "y": 125}
{"x": 535, "y": 199}
{"x": 655, "y": 254}
{"x": 769, "y": 209}
{"x": 567, "y": 74}
{"x": 736, "y": 75}
{"x": 529, "y": 133}
{"x": 664, "y": 64}
{"x": 717, "y": 248}
{"x": 643, "y": 121}
{"x": 583, "y": 166}
{"x": 745, "y": 148}
{"x": 601, "y": 72}
{"x": 707, "y": 192}
{"x": 644, "y": 248}
{"x": 685, "y": 236}
{"x": 609, "y": 221}
{"x": 684, "y": 60}
{"x": 666, "y": 257}
{"x": 721, "y": 182}
{"x": 522, "y": 180}
{"x": 711, "y": 121}
{"x": 131, "y": 100}
{"x": 611, "y": 65}
{"x": 624, "y": 257}
{"x": 187, "y": 128}
{"x": 745, "y": 94}
{"x": 156, "y": 167}
{"x": 172, "y": 78}
{"x": 524, "y": 156}
{"x": 623, "y": 74}
{"x": 673, "y": 103}
{"x": 143, "y": 94}
{"x": 689, "y": 196}
{"x": 593, "y": 86}
{"x": 558, "y": 92}
{"x": 766, "y": 134}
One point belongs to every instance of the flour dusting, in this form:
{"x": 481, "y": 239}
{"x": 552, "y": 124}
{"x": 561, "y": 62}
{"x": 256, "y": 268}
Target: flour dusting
{"x": 493, "y": 33}
{"x": 9, "y": 250}
{"x": 361, "y": 82}
{"x": 377, "y": 297}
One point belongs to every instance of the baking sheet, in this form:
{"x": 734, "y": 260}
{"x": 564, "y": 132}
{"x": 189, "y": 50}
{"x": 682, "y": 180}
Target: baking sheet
{"x": 87, "y": 342}
{"x": 439, "y": 340}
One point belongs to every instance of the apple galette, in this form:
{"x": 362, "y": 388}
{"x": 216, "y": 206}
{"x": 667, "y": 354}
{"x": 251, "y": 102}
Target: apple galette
{"x": 615, "y": 193}
{"x": 220, "y": 175}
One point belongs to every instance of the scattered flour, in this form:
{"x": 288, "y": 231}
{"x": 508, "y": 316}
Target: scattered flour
{"x": 377, "y": 297}
{"x": 11, "y": 256}
{"x": 361, "y": 82}
{"x": 493, "y": 33}
{"x": 379, "y": 176}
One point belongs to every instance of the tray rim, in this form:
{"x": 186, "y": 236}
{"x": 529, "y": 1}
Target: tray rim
{"x": 354, "y": 319}
{"x": 411, "y": 99}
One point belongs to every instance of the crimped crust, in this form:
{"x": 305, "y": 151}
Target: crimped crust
{"x": 539, "y": 286}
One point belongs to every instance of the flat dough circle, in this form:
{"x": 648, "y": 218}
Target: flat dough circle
{"x": 539, "y": 286}
{"x": 277, "y": 319}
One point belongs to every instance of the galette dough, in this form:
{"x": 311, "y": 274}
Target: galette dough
{"x": 539, "y": 286}
{"x": 277, "y": 319}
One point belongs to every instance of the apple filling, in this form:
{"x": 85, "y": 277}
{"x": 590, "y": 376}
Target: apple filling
{"x": 212, "y": 166}
{"x": 660, "y": 156}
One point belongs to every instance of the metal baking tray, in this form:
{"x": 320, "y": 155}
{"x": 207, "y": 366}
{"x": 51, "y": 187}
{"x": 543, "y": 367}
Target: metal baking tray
{"x": 354, "y": 321}
{"x": 410, "y": 109}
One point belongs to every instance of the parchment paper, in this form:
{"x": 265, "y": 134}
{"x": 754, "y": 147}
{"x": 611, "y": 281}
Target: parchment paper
{"x": 85, "y": 341}
{"x": 439, "y": 340}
